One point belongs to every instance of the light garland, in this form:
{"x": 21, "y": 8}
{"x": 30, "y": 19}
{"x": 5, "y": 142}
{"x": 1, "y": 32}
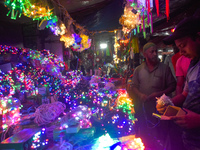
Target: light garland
{"x": 10, "y": 110}
{"x": 116, "y": 47}
{"x": 39, "y": 140}
{"x": 27, "y": 8}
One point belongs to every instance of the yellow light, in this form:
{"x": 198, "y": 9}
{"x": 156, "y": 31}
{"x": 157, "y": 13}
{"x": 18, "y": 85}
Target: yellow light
{"x": 67, "y": 40}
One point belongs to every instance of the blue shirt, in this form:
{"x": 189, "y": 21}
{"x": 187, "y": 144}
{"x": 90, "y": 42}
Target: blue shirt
{"x": 191, "y": 137}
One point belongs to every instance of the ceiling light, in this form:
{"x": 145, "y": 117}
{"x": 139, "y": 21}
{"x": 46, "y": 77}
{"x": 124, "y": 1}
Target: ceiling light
{"x": 103, "y": 45}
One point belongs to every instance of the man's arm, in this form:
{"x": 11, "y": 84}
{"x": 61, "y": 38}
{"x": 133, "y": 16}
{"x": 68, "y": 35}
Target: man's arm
{"x": 179, "y": 99}
{"x": 180, "y": 84}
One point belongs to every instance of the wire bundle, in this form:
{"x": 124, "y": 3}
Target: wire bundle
{"x": 47, "y": 113}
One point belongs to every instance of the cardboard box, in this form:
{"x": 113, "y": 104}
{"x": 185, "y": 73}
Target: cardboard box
{"x": 174, "y": 111}
{"x": 170, "y": 111}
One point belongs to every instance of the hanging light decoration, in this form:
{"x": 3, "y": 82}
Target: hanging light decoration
{"x": 130, "y": 19}
{"x": 68, "y": 40}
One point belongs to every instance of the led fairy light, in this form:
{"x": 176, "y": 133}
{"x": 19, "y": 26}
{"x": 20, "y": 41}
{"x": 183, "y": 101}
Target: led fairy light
{"x": 63, "y": 28}
{"x": 10, "y": 109}
{"x": 32, "y": 73}
{"x": 131, "y": 143}
{"x": 38, "y": 13}
{"x": 6, "y": 85}
{"x": 16, "y": 6}
{"x": 104, "y": 143}
{"x": 39, "y": 139}
{"x": 30, "y": 10}
{"x": 116, "y": 47}
{"x": 84, "y": 41}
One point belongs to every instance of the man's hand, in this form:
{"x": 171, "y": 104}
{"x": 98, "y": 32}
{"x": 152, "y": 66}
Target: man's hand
{"x": 161, "y": 108}
{"x": 188, "y": 121}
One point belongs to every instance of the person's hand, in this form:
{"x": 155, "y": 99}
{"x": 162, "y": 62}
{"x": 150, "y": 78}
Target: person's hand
{"x": 161, "y": 108}
{"x": 188, "y": 121}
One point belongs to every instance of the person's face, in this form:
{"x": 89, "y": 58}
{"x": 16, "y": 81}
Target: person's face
{"x": 151, "y": 54}
{"x": 188, "y": 47}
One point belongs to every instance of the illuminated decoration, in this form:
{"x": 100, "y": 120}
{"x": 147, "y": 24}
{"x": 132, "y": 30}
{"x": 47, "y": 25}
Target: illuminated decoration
{"x": 62, "y": 30}
{"x": 157, "y": 7}
{"x": 124, "y": 42}
{"x": 131, "y": 143}
{"x": 72, "y": 78}
{"x": 125, "y": 103}
{"x": 73, "y": 91}
{"x": 52, "y": 22}
{"x": 129, "y": 19}
{"x": 68, "y": 40}
{"x": 55, "y": 28}
{"x": 6, "y": 85}
{"x": 79, "y": 115}
{"x": 126, "y": 30}
{"x": 25, "y": 81}
{"x": 38, "y": 13}
{"x": 18, "y": 7}
{"x": 167, "y": 9}
{"x": 39, "y": 140}
{"x": 116, "y": 47}
{"x": 104, "y": 143}
{"x": 172, "y": 30}
{"x": 27, "y": 75}
{"x": 82, "y": 42}
{"x": 85, "y": 42}
{"x": 137, "y": 15}
{"x": 10, "y": 110}
{"x": 77, "y": 38}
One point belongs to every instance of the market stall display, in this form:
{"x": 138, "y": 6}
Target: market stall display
{"x": 84, "y": 109}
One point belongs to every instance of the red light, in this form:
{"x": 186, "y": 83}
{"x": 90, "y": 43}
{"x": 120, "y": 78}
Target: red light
{"x": 172, "y": 30}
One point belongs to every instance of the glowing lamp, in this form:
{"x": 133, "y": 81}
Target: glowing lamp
{"x": 103, "y": 45}
{"x": 172, "y": 30}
